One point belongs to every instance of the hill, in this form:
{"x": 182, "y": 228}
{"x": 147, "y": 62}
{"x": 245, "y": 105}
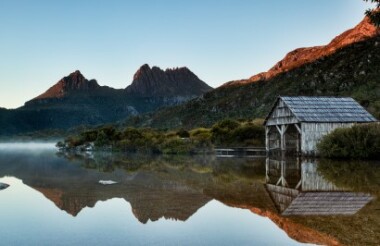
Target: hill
{"x": 348, "y": 66}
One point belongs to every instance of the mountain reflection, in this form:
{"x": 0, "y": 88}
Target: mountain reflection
{"x": 309, "y": 200}
{"x": 155, "y": 187}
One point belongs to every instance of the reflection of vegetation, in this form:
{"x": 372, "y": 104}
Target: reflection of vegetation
{"x": 363, "y": 228}
{"x": 224, "y": 133}
{"x": 357, "y": 175}
{"x": 220, "y": 170}
{"x": 229, "y": 170}
{"x": 358, "y": 142}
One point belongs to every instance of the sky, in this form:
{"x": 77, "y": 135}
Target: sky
{"x": 219, "y": 40}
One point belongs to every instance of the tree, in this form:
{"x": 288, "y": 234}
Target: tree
{"x": 374, "y": 14}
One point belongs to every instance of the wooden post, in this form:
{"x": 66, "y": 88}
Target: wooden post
{"x": 280, "y": 131}
{"x": 283, "y": 174}
{"x": 299, "y": 135}
{"x": 283, "y": 137}
{"x": 267, "y": 144}
{"x": 267, "y": 179}
{"x": 283, "y": 145}
{"x": 298, "y": 163}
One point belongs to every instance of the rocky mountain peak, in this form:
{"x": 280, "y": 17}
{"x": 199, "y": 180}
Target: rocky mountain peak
{"x": 73, "y": 82}
{"x": 154, "y": 81}
{"x": 144, "y": 69}
{"x": 298, "y": 57}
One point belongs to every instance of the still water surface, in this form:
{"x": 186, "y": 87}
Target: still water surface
{"x": 56, "y": 199}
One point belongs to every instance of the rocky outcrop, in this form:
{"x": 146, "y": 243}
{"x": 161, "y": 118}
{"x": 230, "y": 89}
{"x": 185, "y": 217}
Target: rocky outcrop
{"x": 299, "y": 57}
{"x": 74, "y": 82}
{"x": 177, "y": 82}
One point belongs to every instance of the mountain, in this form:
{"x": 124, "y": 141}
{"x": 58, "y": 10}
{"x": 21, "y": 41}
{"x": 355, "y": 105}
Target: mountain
{"x": 302, "y": 56}
{"x": 75, "y": 100}
{"x": 74, "y": 82}
{"x": 348, "y": 66}
{"x": 154, "y": 82}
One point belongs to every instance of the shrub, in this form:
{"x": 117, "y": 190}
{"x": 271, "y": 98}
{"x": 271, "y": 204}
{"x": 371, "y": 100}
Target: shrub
{"x": 200, "y": 132}
{"x": 227, "y": 124}
{"x": 222, "y": 132}
{"x": 177, "y": 146}
{"x": 202, "y": 138}
{"x": 183, "y": 133}
{"x": 249, "y": 134}
{"x": 102, "y": 139}
{"x": 60, "y": 145}
{"x": 89, "y": 136}
{"x": 230, "y": 132}
{"x": 109, "y": 131}
{"x": 358, "y": 142}
{"x": 74, "y": 141}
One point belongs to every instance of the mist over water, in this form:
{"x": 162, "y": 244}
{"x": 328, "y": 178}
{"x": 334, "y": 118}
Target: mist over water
{"x": 27, "y": 146}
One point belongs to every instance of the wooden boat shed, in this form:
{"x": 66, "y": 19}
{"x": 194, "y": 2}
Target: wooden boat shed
{"x": 296, "y": 124}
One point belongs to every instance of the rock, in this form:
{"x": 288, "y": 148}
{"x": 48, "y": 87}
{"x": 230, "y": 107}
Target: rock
{"x": 3, "y": 186}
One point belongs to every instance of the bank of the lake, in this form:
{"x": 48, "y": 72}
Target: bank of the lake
{"x": 226, "y": 133}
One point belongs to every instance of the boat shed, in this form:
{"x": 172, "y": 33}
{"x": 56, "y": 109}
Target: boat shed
{"x": 296, "y": 124}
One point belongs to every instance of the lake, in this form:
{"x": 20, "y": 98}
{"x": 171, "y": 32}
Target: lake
{"x": 58, "y": 198}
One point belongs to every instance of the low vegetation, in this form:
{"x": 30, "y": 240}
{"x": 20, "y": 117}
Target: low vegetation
{"x": 358, "y": 142}
{"x": 226, "y": 133}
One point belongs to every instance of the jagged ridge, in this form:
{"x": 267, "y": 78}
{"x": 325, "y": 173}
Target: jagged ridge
{"x": 74, "y": 100}
{"x": 302, "y": 56}
{"x": 171, "y": 82}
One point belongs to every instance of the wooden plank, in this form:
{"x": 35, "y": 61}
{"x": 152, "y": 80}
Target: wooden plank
{"x": 279, "y": 130}
{"x": 298, "y": 128}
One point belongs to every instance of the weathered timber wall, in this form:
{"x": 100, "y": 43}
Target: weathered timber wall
{"x": 313, "y": 132}
{"x": 281, "y": 115}
{"x": 312, "y": 181}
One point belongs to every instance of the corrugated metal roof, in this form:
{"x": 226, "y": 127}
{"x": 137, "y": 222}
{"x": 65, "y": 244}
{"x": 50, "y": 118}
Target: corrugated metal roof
{"x": 327, "y": 109}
